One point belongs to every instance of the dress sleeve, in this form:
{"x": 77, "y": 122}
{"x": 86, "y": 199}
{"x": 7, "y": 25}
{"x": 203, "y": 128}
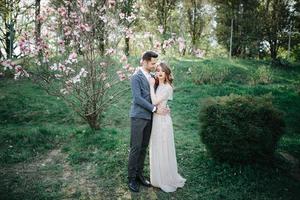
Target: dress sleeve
{"x": 158, "y": 98}
{"x": 170, "y": 91}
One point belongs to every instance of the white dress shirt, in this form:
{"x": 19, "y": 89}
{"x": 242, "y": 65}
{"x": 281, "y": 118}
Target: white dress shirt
{"x": 148, "y": 76}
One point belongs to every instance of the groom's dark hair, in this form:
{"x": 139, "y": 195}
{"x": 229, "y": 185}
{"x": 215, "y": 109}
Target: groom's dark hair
{"x": 148, "y": 55}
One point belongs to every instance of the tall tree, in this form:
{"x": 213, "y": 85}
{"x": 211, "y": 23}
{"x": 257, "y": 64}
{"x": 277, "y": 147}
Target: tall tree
{"x": 162, "y": 9}
{"x": 99, "y": 23}
{"x": 9, "y": 13}
{"x": 295, "y": 30}
{"x": 276, "y": 16}
{"x": 246, "y": 34}
{"x": 88, "y": 82}
{"x": 196, "y": 20}
{"x": 38, "y": 24}
{"x": 128, "y": 18}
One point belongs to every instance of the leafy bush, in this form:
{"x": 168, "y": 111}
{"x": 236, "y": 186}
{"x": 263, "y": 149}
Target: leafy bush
{"x": 241, "y": 129}
{"x": 262, "y": 75}
{"x": 209, "y": 75}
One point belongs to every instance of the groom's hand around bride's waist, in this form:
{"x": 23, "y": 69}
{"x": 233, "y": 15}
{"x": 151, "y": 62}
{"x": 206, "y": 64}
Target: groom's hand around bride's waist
{"x": 162, "y": 110}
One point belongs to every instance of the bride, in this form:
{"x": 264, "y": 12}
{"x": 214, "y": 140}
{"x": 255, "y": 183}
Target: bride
{"x": 163, "y": 163}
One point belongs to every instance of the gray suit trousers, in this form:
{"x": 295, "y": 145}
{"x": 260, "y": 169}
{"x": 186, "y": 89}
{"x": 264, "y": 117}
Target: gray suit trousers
{"x": 139, "y": 141}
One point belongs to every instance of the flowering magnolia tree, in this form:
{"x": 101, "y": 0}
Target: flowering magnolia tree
{"x": 68, "y": 62}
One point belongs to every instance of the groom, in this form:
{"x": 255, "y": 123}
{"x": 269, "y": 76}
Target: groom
{"x": 141, "y": 121}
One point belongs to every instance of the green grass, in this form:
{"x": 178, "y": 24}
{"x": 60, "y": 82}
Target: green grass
{"x": 47, "y": 152}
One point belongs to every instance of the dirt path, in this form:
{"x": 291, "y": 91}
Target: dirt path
{"x": 53, "y": 167}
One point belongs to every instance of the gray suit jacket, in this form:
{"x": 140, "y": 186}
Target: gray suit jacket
{"x": 141, "y": 106}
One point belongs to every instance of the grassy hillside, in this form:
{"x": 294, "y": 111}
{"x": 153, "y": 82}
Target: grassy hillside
{"x": 47, "y": 152}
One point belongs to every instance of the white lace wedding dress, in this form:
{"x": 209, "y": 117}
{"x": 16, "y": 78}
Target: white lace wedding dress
{"x": 163, "y": 163}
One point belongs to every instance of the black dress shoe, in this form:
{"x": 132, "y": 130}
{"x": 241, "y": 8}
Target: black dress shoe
{"x": 143, "y": 181}
{"x": 133, "y": 185}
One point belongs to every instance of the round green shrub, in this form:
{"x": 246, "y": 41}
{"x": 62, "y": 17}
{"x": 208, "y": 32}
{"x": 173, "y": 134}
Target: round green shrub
{"x": 241, "y": 129}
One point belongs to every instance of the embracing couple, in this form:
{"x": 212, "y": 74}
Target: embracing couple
{"x": 151, "y": 123}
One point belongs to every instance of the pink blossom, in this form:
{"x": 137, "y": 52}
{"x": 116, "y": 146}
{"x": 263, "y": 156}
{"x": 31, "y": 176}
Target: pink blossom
{"x": 61, "y": 46}
{"x": 84, "y": 27}
{"x": 73, "y": 15}
{"x": 19, "y": 71}
{"x": 40, "y": 18}
{"x": 83, "y": 9}
{"x": 168, "y": 43}
{"x": 128, "y": 33}
{"x": 110, "y": 51}
{"x": 157, "y": 45}
{"x": 199, "y": 53}
{"x": 73, "y": 57}
{"x": 124, "y": 58}
{"x": 67, "y": 30}
{"x": 61, "y": 42}
{"x": 181, "y": 43}
{"x": 7, "y": 64}
{"x": 61, "y": 67}
{"x": 49, "y": 10}
{"x": 122, "y": 15}
{"x": 122, "y": 76}
{"x": 131, "y": 69}
{"x": 111, "y": 3}
{"x": 24, "y": 44}
{"x": 62, "y": 11}
{"x": 131, "y": 18}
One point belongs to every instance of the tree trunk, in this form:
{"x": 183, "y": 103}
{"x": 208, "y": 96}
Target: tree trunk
{"x": 101, "y": 43}
{"x": 273, "y": 50}
{"x": 93, "y": 121}
{"x": 9, "y": 38}
{"x": 127, "y": 46}
{"x": 38, "y": 26}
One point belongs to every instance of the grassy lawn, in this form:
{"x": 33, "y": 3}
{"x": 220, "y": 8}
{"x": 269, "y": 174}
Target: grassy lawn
{"x": 47, "y": 152}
